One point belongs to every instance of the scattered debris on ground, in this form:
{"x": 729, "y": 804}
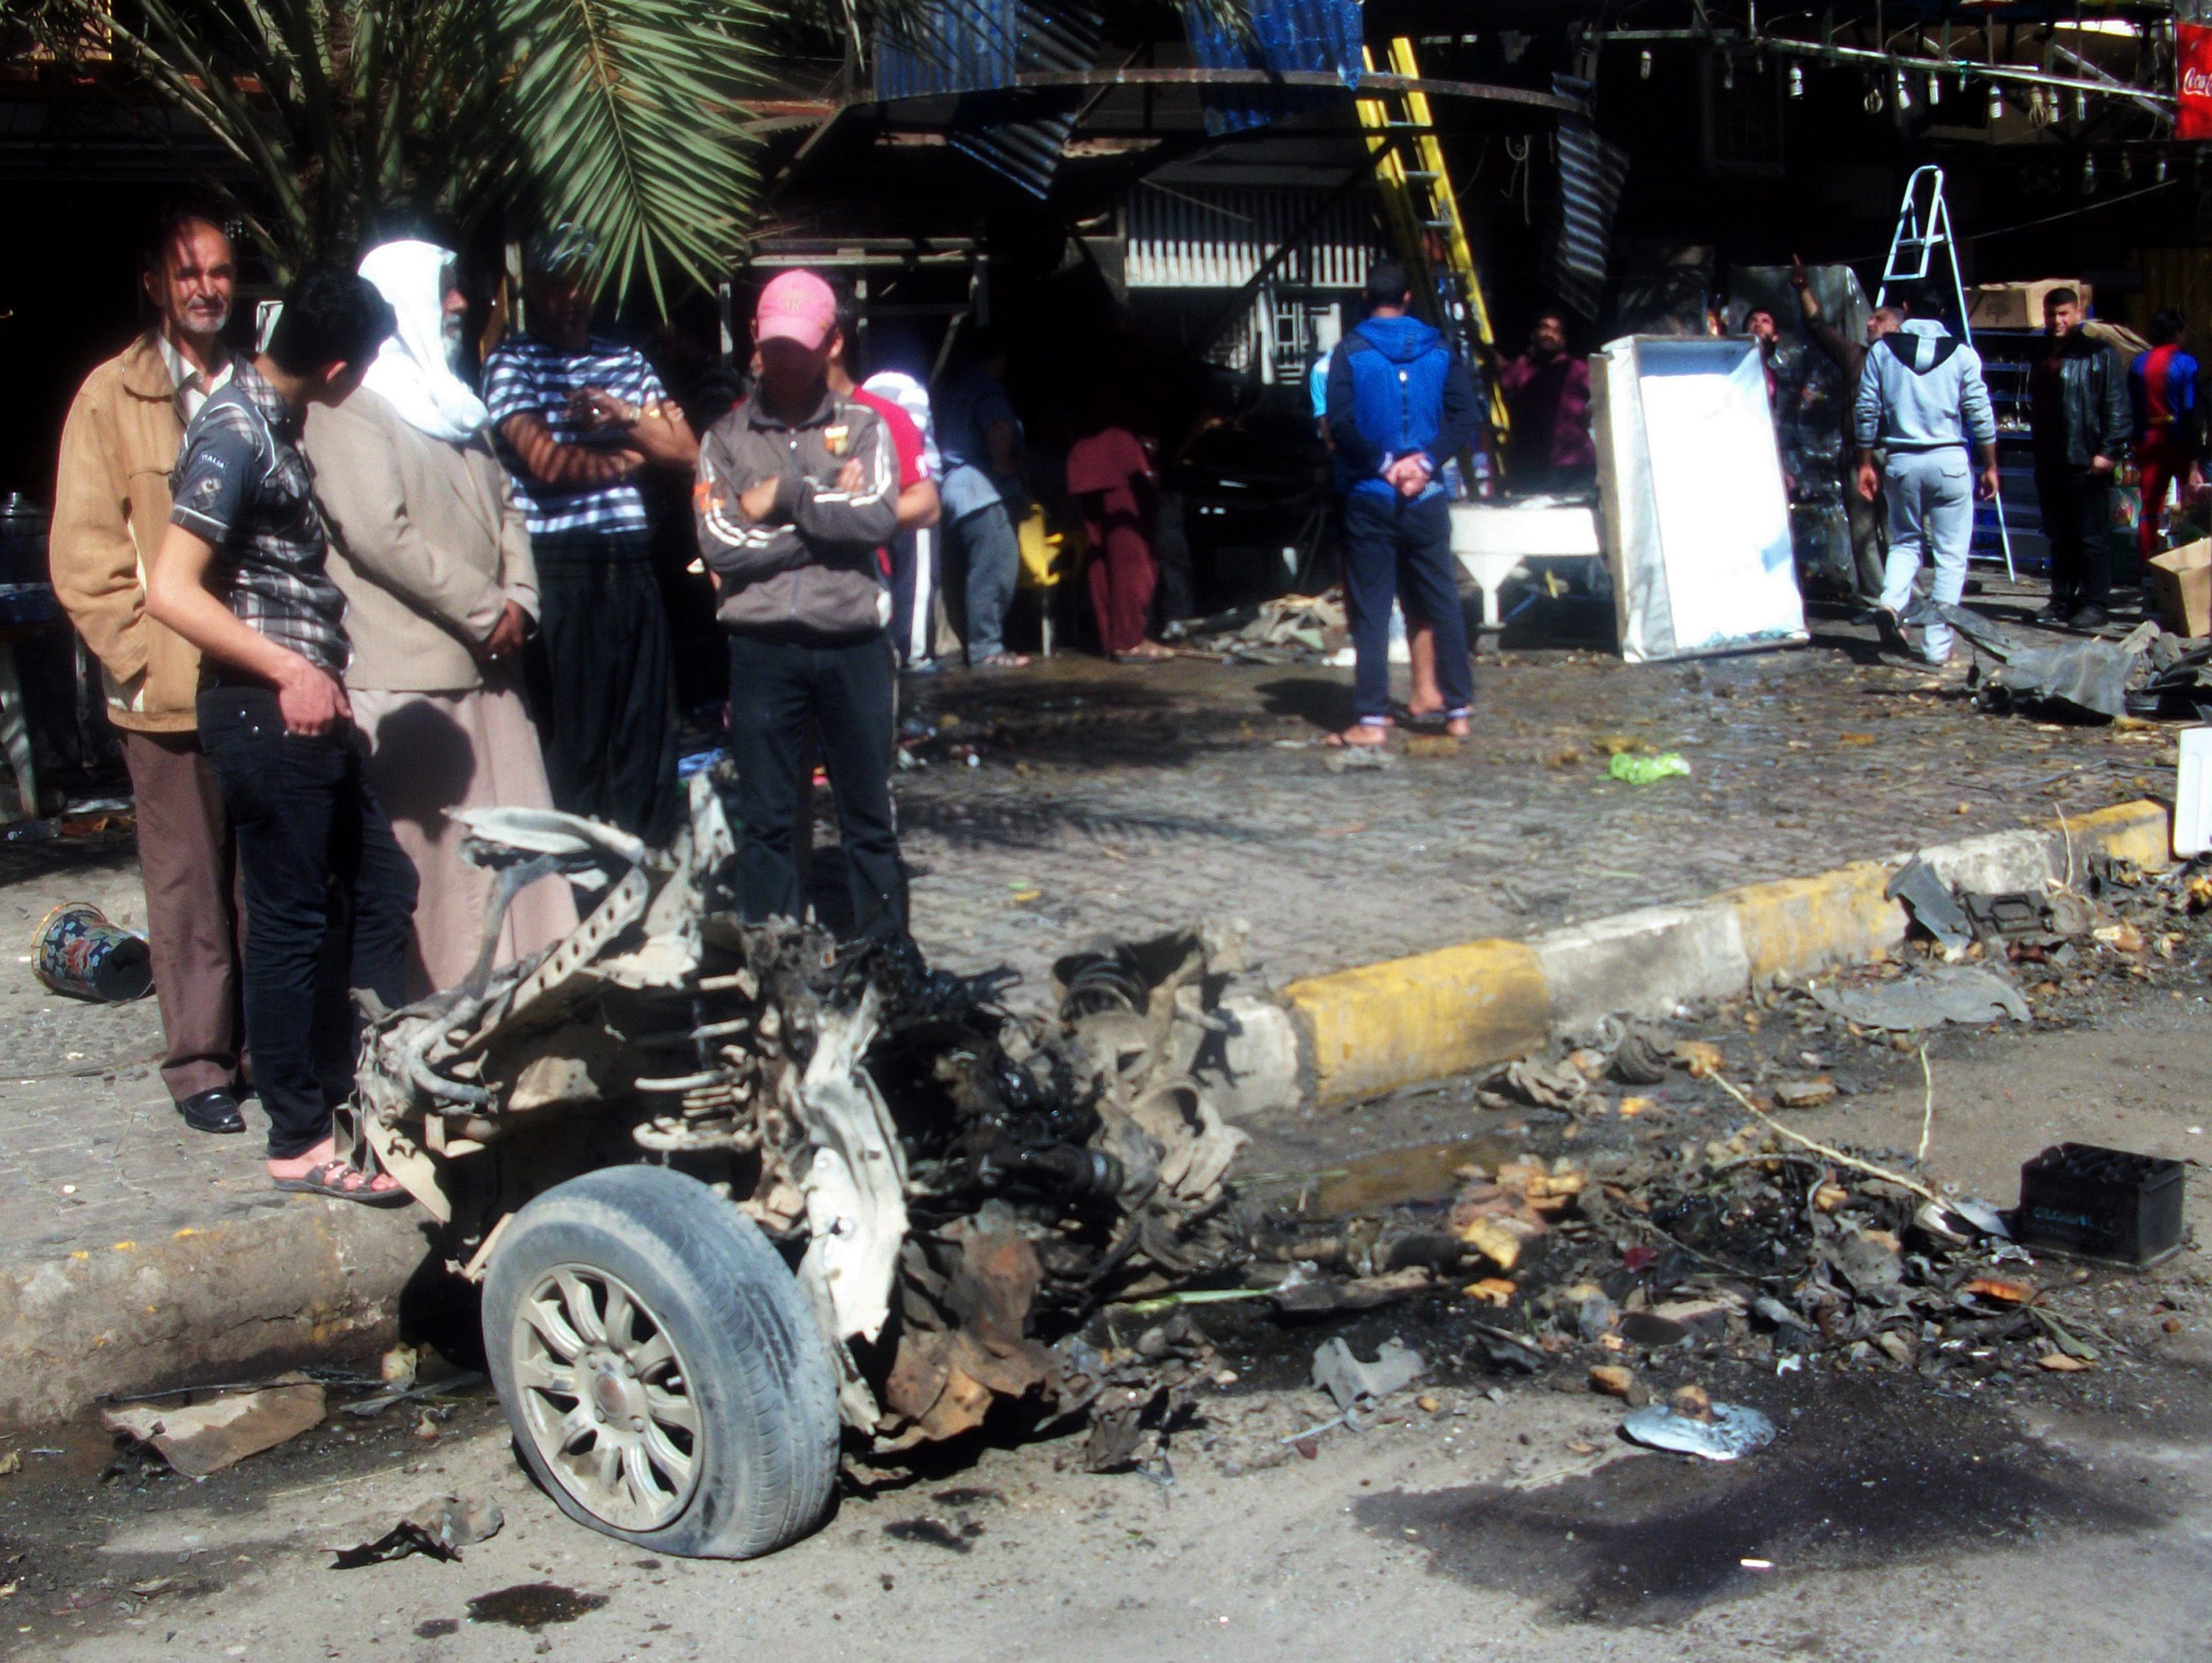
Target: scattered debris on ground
{"x": 1648, "y": 770}
{"x": 1660, "y": 1225}
{"x": 994, "y": 1178}
{"x": 1942, "y": 993}
{"x": 2146, "y": 673}
{"x": 440, "y": 1527}
{"x": 1352, "y": 1382}
{"x": 1291, "y": 629}
{"x": 197, "y": 1438}
{"x": 1711, "y": 1431}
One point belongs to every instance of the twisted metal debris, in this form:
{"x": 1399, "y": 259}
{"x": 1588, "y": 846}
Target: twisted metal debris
{"x": 958, "y": 1187}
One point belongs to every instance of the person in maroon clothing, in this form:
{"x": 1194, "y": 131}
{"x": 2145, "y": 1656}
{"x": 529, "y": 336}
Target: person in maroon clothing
{"x": 1111, "y": 473}
{"x": 1547, "y": 394}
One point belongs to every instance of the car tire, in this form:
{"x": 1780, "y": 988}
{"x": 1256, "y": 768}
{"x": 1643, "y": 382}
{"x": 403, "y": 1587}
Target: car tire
{"x": 663, "y": 1374}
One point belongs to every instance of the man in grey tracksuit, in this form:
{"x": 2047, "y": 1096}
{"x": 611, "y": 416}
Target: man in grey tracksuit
{"x": 798, "y": 487}
{"x": 1922, "y": 397}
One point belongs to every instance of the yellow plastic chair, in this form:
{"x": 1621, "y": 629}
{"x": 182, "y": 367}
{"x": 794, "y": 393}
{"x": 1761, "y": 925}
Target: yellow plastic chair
{"x": 1049, "y": 559}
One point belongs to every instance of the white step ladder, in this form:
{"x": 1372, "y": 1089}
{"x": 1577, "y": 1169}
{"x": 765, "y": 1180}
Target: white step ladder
{"x": 1924, "y": 231}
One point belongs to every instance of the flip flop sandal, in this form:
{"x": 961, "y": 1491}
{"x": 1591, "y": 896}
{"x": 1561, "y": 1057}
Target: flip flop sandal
{"x": 1337, "y": 742}
{"x": 1423, "y": 721}
{"x": 329, "y": 1179}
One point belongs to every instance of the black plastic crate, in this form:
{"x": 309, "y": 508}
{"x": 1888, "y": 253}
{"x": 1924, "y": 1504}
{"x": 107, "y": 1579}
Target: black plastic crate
{"x": 2102, "y": 1203}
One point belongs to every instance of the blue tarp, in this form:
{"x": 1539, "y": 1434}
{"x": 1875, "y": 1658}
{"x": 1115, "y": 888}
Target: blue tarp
{"x": 975, "y": 49}
{"x": 1285, "y": 35}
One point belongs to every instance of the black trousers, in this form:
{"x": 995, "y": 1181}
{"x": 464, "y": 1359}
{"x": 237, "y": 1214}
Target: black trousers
{"x": 602, "y": 682}
{"x": 847, "y": 687}
{"x": 329, "y": 899}
{"x": 2077, "y": 518}
{"x": 1401, "y": 548}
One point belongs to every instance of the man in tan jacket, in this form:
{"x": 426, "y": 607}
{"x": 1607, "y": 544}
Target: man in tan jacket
{"x": 433, "y": 554}
{"x": 111, "y": 507}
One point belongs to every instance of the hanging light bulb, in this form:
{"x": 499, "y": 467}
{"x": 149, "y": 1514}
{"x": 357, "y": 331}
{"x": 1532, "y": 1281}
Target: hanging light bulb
{"x": 1796, "y": 81}
{"x": 2161, "y": 170}
{"x": 1903, "y": 93}
{"x": 1644, "y": 66}
{"x": 1872, "y": 97}
{"x": 1934, "y": 92}
{"x": 2127, "y": 168}
{"x": 2088, "y": 171}
{"x": 1728, "y": 74}
{"x": 1997, "y": 103}
{"x": 2081, "y": 105}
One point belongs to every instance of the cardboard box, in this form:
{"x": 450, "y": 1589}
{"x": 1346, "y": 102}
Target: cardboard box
{"x": 2018, "y": 305}
{"x": 2182, "y": 580}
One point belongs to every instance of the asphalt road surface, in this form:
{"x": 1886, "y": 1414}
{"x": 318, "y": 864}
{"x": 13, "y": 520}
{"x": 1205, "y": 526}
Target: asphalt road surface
{"x": 1897, "y": 1517}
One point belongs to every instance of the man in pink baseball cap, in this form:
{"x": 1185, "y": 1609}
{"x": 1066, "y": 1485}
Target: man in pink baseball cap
{"x": 796, "y": 305}
{"x": 798, "y": 487}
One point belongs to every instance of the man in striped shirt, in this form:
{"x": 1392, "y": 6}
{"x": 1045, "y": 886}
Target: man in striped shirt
{"x": 579, "y": 418}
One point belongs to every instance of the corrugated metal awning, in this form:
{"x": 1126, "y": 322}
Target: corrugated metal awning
{"x": 1219, "y": 236}
{"x": 979, "y": 48}
{"x": 1591, "y": 174}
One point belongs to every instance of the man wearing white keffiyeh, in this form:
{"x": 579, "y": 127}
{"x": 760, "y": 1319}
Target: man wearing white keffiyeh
{"x": 430, "y": 549}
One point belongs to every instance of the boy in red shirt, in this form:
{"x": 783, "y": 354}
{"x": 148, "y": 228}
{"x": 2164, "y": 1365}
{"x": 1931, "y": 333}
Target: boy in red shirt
{"x": 917, "y": 498}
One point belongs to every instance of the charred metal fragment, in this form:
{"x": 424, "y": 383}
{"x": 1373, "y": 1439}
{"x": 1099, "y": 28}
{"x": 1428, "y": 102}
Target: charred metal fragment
{"x": 957, "y": 1187}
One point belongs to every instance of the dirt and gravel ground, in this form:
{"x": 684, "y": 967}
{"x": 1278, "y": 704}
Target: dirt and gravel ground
{"x": 1961, "y": 1507}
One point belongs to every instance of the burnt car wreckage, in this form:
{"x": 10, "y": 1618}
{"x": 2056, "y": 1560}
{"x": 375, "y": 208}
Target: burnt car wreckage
{"x": 733, "y": 1192}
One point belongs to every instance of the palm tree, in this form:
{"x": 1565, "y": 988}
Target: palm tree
{"x": 622, "y": 117}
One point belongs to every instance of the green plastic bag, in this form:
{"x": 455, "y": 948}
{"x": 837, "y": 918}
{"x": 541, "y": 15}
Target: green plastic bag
{"x": 1644, "y": 770}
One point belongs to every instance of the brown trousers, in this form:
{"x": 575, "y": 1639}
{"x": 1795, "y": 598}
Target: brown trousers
{"x": 192, "y": 915}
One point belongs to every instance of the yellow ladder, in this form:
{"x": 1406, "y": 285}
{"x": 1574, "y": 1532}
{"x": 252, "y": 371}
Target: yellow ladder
{"x": 1423, "y": 209}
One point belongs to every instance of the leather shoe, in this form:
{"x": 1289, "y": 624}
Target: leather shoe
{"x": 212, "y": 1110}
{"x": 2089, "y": 619}
{"x": 2054, "y": 614}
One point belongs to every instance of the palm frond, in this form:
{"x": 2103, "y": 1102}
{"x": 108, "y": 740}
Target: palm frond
{"x": 629, "y": 128}
{"x": 622, "y": 117}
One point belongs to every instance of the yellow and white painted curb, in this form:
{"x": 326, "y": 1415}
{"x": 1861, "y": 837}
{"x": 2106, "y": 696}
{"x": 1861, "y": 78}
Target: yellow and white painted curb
{"x": 296, "y": 1280}
{"x": 225, "y": 1302}
{"x": 1364, "y": 1031}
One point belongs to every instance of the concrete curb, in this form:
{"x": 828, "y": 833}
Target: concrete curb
{"x": 228, "y": 1301}
{"x": 296, "y": 1281}
{"x": 1364, "y": 1031}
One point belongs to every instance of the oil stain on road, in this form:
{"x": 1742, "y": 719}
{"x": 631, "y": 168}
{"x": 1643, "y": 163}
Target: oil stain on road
{"x": 1862, "y": 1476}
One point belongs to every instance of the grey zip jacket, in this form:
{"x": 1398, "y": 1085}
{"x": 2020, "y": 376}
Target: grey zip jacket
{"x": 809, "y": 568}
{"x": 1921, "y": 389}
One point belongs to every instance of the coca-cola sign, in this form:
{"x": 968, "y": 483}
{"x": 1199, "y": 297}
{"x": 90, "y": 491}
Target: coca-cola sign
{"x": 2193, "y": 65}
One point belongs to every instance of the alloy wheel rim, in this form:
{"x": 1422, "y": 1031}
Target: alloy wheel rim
{"x": 606, "y": 1397}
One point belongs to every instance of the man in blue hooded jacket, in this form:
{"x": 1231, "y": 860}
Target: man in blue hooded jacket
{"x": 1401, "y": 403}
